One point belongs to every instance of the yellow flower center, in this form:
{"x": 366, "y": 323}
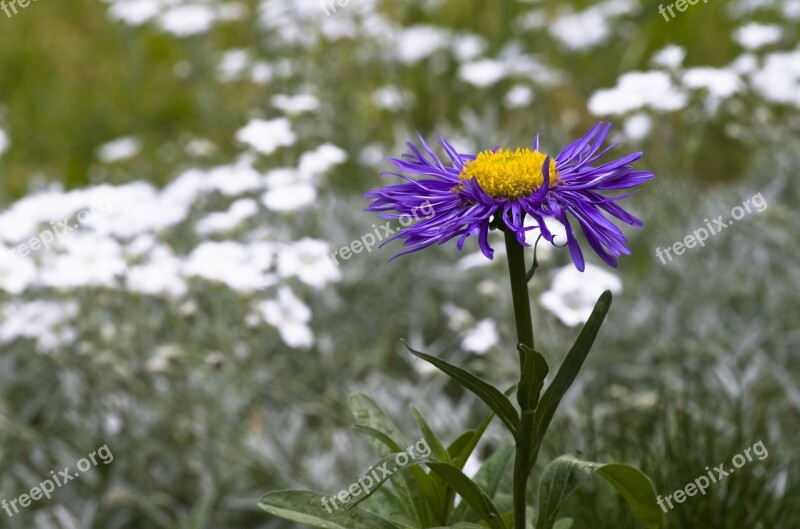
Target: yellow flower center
{"x": 508, "y": 174}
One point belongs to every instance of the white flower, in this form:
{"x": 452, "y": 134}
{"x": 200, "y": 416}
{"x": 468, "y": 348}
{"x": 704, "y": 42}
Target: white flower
{"x": 753, "y": 35}
{"x": 135, "y": 208}
{"x": 44, "y": 321}
{"x": 87, "y": 259}
{"x": 556, "y": 229}
{"x": 240, "y": 267}
{"x": 291, "y": 197}
{"x": 232, "y": 65}
{"x": 4, "y": 141}
{"x": 233, "y": 180}
{"x": 200, "y": 147}
{"x": 468, "y": 46}
{"x": 419, "y": 42}
{"x": 482, "y": 73}
{"x": 580, "y": 31}
{"x": 392, "y": 98}
{"x": 290, "y": 316}
{"x": 119, "y": 149}
{"x": 476, "y": 260}
{"x": 458, "y": 318}
{"x": 321, "y": 160}
{"x": 307, "y": 260}
{"x": 636, "y": 90}
{"x": 720, "y": 82}
{"x": 779, "y": 79}
{"x": 229, "y": 220}
{"x": 16, "y": 273}
{"x": 518, "y": 96}
{"x": 573, "y": 294}
{"x": 670, "y": 57}
{"x": 266, "y": 136}
{"x": 188, "y": 19}
{"x": 637, "y": 126}
{"x": 296, "y": 104}
{"x": 134, "y": 12}
{"x": 288, "y": 190}
{"x": 481, "y": 338}
{"x": 161, "y": 274}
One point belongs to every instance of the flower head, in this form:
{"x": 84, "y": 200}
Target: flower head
{"x": 499, "y": 188}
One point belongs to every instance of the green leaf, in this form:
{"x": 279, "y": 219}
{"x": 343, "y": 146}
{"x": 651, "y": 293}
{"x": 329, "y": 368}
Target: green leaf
{"x": 368, "y": 413}
{"x": 564, "y": 474}
{"x": 402, "y": 521}
{"x": 534, "y": 371}
{"x": 461, "y": 444}
{"x": 436, "y": 447}
{"x": 559, "y": 480}
{"x": 307, "y": 508}
{"x": 493, "y": 398}
{"x": 439, "y": 496}
{"x": 384, "y": 503}
{"x": 462, "y": 525}
{"x": 370, "y": 418}
{"x": 563, "y": 523}
{"x": 470, "y": 492}
{"x": 381, "y": 472}
{"x": 453, "y": 477}
{"x": 460, "y": 460}
{"x": 638, "y": 491}
{"x": 508, "y": 517}
{"x": 378, "y": 436}
{"x": 428, "y": 496}
{"x": 567, "y": 373}
{"x": 487, "y": 478}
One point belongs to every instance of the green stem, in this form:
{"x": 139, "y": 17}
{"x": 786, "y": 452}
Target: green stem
{"x": 522, "y": 316}
{"x": 519, "y": 291}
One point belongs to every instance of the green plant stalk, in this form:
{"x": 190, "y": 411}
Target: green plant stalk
{"x": 524, "y": 324}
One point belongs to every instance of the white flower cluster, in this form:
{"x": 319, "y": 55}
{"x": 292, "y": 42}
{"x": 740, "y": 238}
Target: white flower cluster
{"x": 126, "y": 249}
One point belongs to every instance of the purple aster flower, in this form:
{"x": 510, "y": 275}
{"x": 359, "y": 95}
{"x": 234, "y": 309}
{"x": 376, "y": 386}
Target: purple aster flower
{"x": 475, "y": 193}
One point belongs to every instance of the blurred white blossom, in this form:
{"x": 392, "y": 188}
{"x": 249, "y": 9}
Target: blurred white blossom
{"x": 119, "y": 149}
{"x": 267, "y": 136}
{"x": 290, "y": 316}
{"x": 481, "y": 338}
{"x": 573, "y": 294}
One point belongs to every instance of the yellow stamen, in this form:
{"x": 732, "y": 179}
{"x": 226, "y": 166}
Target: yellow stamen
{"x": 508, "y": 174}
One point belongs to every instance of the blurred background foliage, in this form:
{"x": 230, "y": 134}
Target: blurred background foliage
{"x": 205, "y": 408}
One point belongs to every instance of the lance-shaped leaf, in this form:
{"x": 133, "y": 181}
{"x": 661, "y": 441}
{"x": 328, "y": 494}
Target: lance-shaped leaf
{"x": 559, "y": 479}
{"x": 367, "y": 413}
{"x": 452, "y": 476}
{"x": 460, "y": 459}
{"x": 534, "y": 371}
{"x": 487, "y": 478}
{"x": 638, "y": 491}
{"x": 385, "y": 437}
{"x": 562, "y": 476}
{"x": 567, "y": 372}
{"x": 470, "y": 492}
{"x": 490, "y": 395}
{"x": 309, "y": 508}
{"x": 437, "y": 449}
